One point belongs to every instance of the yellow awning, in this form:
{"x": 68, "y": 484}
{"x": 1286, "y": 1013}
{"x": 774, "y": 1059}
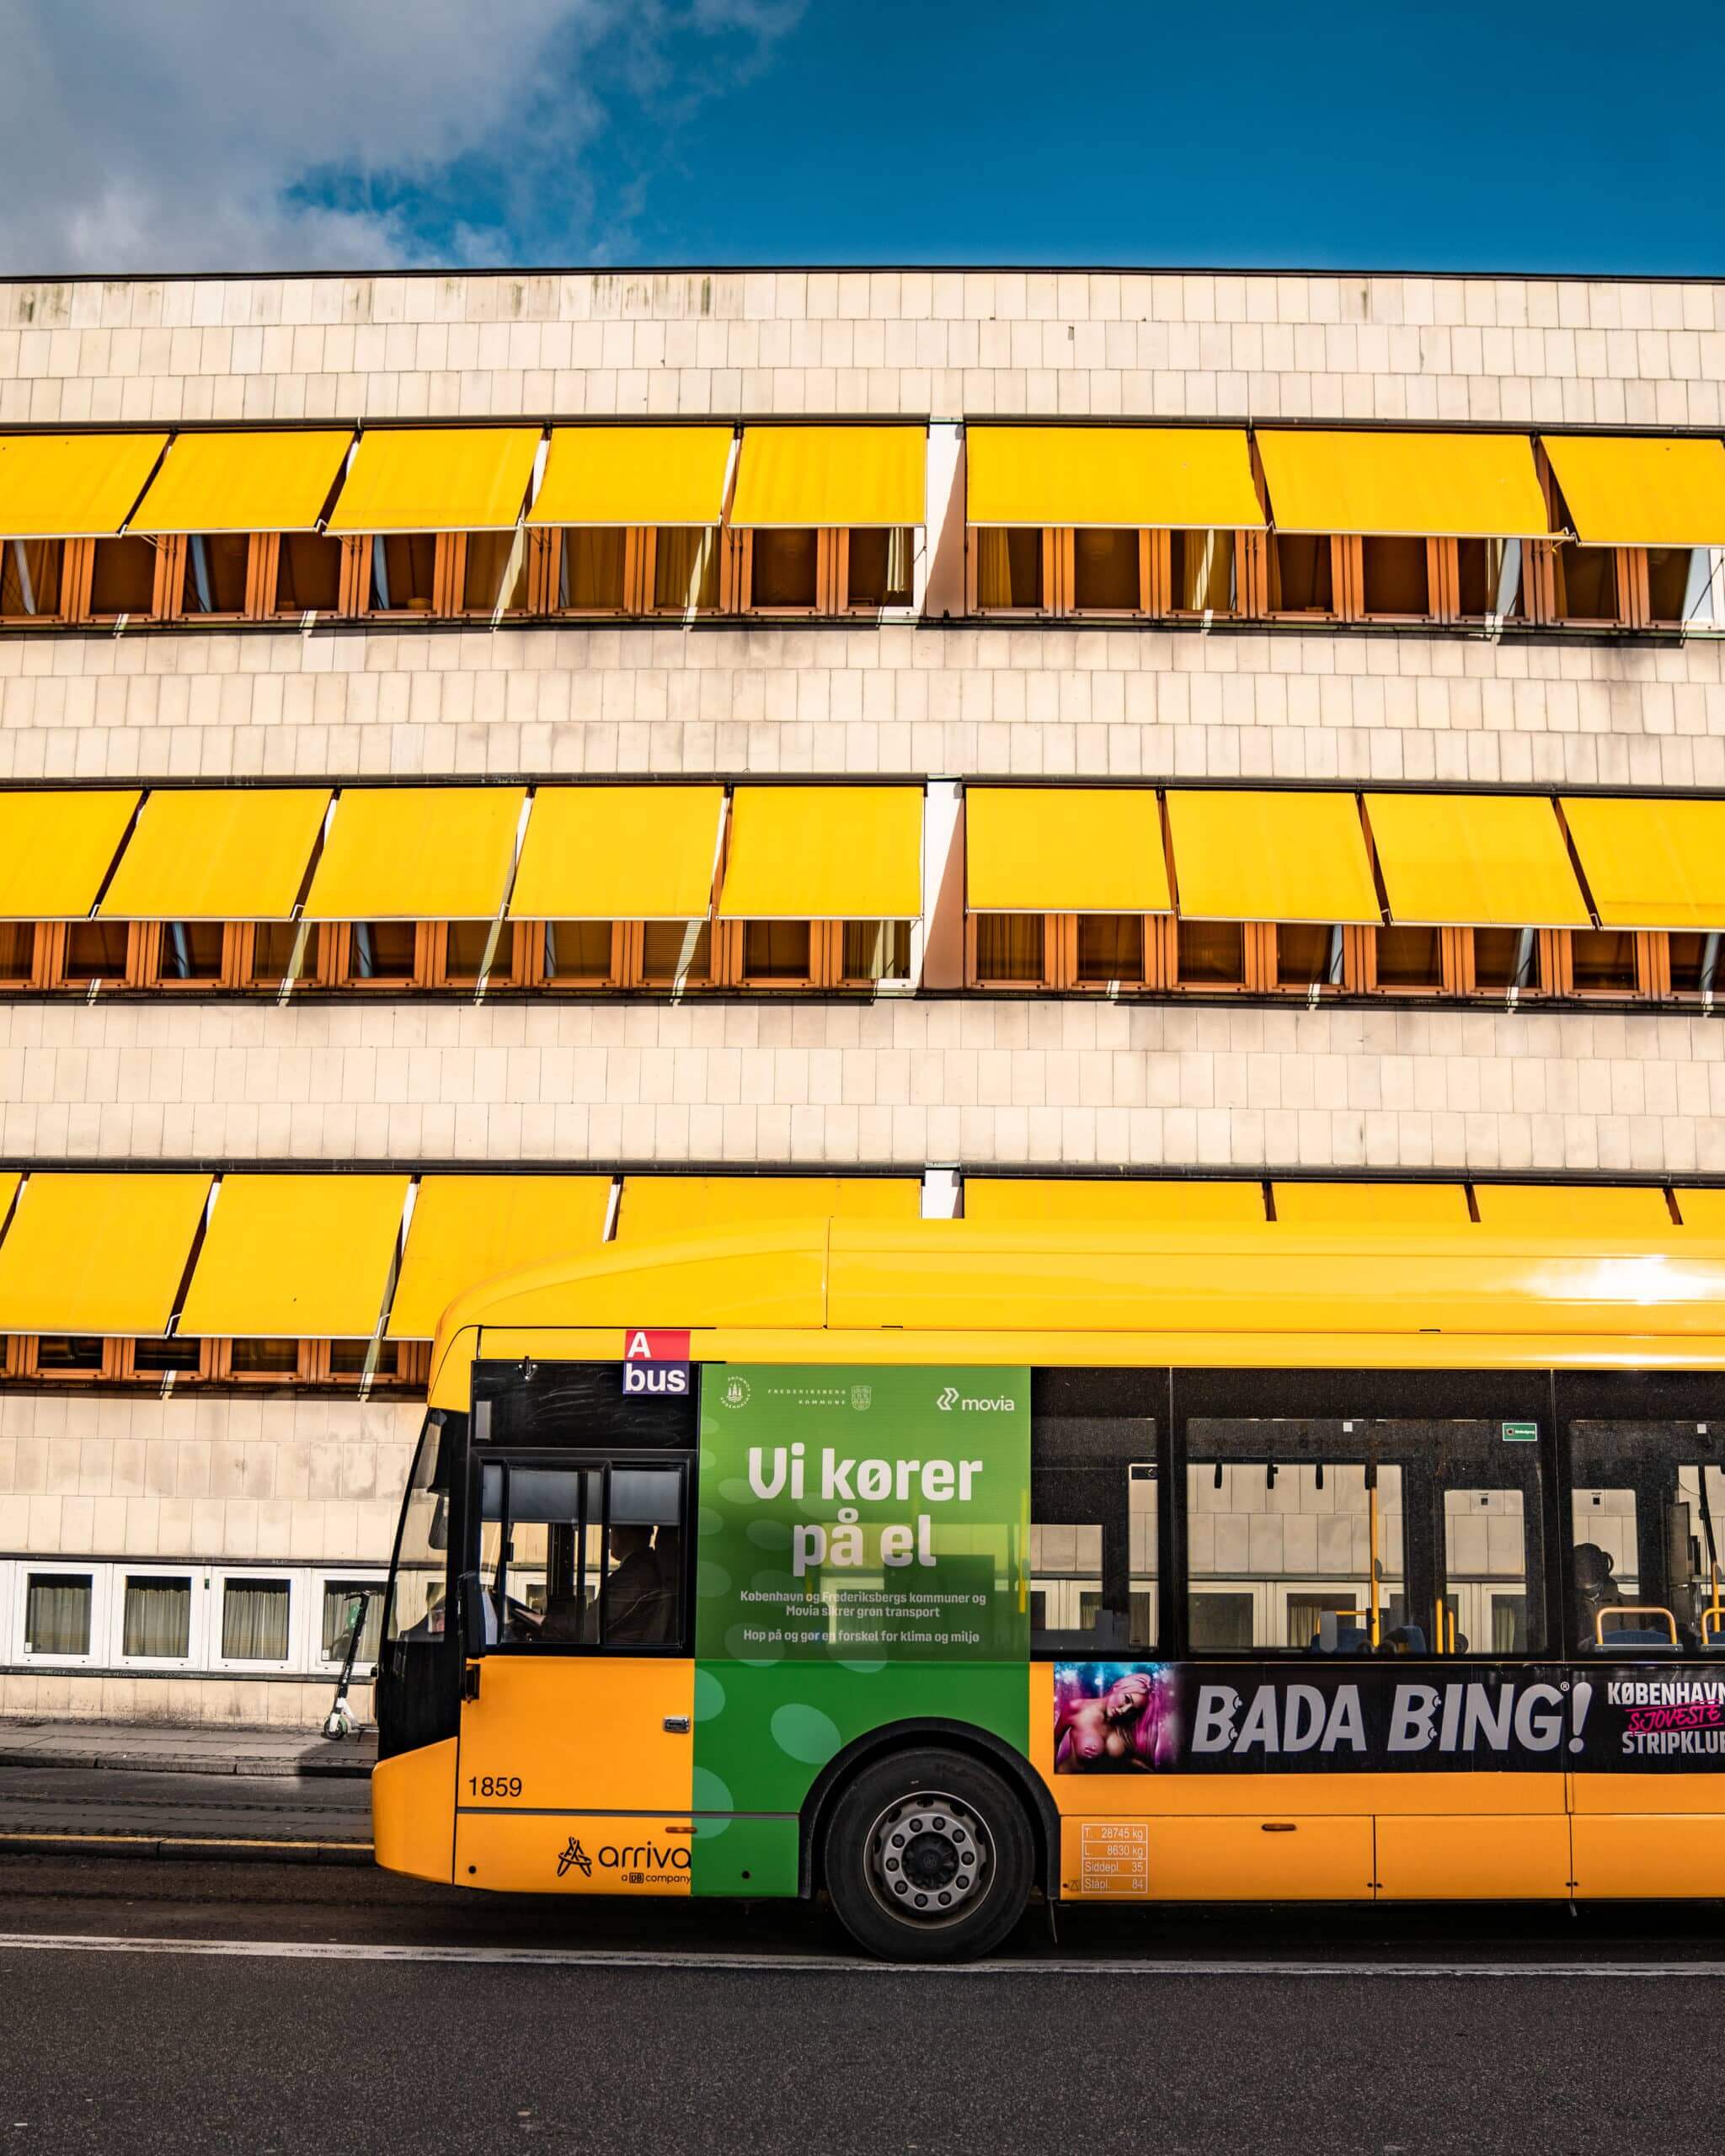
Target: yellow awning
{"x": 825, "y": 853}
{"x": 55, "y": 849}
{"x": 1049, "y": 849}
{"x": 99, "y": 1253}
{"x": 273, "y": 482}
{"x": 296, "y": 1257}
{"x": 859, "y": 475}
{"x": 469, "y": 1228}
{"x": 436, "y": 479}
{"x": 1171, "y": 1202}
{"x": 227, "y": 854}
{"x": 663, "y": 475}
{"x": 1651, "y": 863}
{"x": 1271, "y": 856}
{"x": 687, "y": 1205}
{"x": 1439, "y": 486}
{"x": 619, "y": 853}
{"x": 1585, "y": 1209}
{"x": 73, "y": 486}
{"x": 1172, "y": 478}
{"x": 1372, "y": 1205}
{"x": 417, "y": 853}
{"x": 1702, "y": 1209}
{"x": 1626, "y": 491}
{"x": 1475, "y": 859}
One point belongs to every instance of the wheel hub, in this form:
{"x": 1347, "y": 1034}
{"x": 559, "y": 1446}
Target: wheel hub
{"x": 930, "y": 1857}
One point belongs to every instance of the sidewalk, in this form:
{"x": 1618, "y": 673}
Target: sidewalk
{"x": 183, "y": 1748}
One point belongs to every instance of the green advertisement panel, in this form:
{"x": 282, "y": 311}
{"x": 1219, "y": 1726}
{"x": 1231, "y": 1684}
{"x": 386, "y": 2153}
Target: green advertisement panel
{"x": 859, "y": 1515}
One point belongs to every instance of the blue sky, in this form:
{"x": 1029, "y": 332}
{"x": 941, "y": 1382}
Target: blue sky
{"x": 1106, "y": 133}
{"x": 317, "y": 133}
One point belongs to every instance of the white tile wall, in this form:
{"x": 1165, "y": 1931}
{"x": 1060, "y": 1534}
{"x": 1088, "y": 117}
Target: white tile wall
{"x": 287, "y": 1480}
{"x": 946, "y": 342}
{"x": 967, "y": 702}
{"x": 1062, "y": 1083}
{"x": 1073, "y": 1085}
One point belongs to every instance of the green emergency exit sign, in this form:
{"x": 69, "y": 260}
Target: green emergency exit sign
{"x": 1522, "y": 1433}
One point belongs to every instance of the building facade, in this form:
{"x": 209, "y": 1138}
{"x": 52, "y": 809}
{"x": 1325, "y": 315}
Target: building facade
{"x": 491, "y": 764}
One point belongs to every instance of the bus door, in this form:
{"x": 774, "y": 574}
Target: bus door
{"x": 575, "y": 1766}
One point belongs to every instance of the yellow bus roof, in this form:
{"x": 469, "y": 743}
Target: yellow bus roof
{"x": 937, "y": 1291}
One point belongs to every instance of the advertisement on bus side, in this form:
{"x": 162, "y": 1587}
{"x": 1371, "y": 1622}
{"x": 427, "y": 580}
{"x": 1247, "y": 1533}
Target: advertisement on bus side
{"x": 1137, "y": 1717}
{"x": 855, "y": 1514}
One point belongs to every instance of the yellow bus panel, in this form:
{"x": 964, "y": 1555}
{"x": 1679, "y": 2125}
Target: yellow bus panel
{"x": 592, "y": 1729}
{"x": 1629, "y": 1855}
{"x": 413, "y": 1811}
{"x": 1456, "y": 1857}
{"x": 1259, "y": 1859}
{"x": 574, "y": 1853}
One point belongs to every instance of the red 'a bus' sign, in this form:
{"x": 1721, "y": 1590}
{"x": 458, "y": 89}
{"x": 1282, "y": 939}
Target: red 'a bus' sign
{"x": 656, "y": 1345}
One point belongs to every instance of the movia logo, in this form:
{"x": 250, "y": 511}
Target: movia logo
{"x": 952, "y": 1397}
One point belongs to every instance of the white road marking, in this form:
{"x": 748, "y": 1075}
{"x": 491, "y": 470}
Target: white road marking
{"x": 601, "y": 1958}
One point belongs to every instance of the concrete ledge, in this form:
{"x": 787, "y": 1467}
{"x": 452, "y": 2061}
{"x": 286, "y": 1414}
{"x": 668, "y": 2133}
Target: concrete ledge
{"x": 336, "y": 1767}
{"x": 186, "y": 1750}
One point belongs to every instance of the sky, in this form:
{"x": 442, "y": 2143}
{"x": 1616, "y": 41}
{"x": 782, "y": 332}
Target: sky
{"x": 143, "y": 136}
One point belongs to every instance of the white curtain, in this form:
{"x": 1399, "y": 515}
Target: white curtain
{"x": 684, "y": 567}
{"x": 57, "y": 1615}
{"x": 898, "y": 564}
{"x": 339, "y": 1597}
{"x": 254, "y": 1621}
{"x": 1205, "y": 581}
{"x": 994, "y": 570}
{"x": 158, "y": 1619}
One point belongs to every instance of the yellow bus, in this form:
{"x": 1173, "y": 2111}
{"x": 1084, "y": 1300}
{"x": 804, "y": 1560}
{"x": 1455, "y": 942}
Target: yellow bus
{"x": 929, "y": 1566}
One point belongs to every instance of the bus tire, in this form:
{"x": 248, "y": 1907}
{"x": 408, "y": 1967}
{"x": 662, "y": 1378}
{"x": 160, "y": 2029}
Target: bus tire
{"x": 929, "y": 1857}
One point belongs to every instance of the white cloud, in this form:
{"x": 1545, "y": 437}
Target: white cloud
{"x": 218, "y": 134}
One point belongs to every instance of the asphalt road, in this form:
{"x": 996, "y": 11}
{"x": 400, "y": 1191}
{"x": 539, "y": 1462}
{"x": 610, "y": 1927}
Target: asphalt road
{"x": 238, "y": 1808}
{"x": 367, "y": 2013}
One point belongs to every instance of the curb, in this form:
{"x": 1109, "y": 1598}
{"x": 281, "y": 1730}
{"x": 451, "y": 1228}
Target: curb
{"x": 186, "y": 1850}
{"x": 266, "y": 1767}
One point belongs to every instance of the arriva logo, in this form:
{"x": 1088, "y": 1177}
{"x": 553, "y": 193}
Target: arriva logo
{"x": 948, "y": 1400}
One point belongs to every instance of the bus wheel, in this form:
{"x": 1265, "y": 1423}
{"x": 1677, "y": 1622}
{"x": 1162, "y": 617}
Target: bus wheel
{"x": 929, "y": 1858}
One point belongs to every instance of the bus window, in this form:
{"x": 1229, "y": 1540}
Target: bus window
{"x": 582, "y": 1556}
{"x": 1362, "y": 1536}
{"x": 1299, "y": 1522}
{"x": 1486, "y": 1550}
{"x": 1646, "y": 1514}
{"x": 1093, "y": 1512}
